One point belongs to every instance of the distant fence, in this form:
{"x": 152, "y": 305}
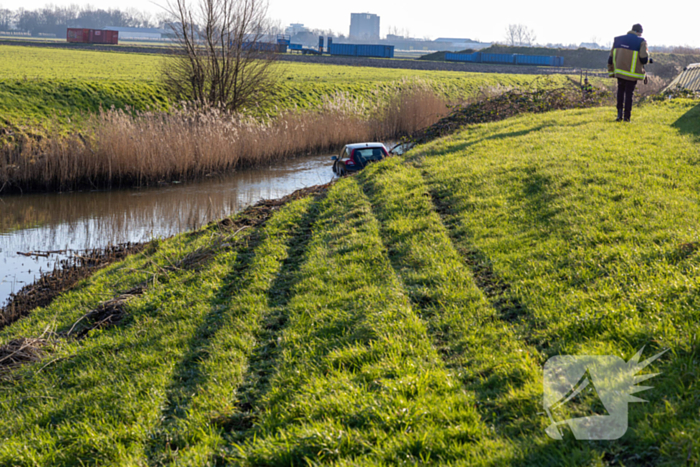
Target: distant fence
{"x": 15, "y": 33}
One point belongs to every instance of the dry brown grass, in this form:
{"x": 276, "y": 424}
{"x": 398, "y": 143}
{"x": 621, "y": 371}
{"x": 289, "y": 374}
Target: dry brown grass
{"x": 119, "y": 149}
{"x": 17, "y": 352}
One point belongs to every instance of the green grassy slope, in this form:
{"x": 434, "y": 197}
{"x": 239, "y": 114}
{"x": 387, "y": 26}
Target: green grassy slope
{"x": 41, "y": 103}
{"x": 404, "y": 316}
{"x": 305, "y": 85}
{"x": 588, "y": 231}
{"x": 37, "y": 84}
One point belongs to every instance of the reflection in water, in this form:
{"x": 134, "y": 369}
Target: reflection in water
{"x": 78, "y": 221}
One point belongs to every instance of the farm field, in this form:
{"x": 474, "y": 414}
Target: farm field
{"x": 37, "y": 84}
{"x": 399, "y": 316}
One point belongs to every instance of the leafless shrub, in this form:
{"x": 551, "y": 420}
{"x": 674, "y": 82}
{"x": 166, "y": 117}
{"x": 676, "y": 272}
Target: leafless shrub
{"x": 225, "y": 53}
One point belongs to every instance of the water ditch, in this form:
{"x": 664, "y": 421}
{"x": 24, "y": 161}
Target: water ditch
{"x": 40, "y": 231}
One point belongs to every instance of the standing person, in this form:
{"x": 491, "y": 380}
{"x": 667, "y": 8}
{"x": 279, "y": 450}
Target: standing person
{"x": 626, "y": 63}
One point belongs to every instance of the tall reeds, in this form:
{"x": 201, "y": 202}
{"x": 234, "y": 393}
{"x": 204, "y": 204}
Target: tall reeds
{"x": 118, "y": 148}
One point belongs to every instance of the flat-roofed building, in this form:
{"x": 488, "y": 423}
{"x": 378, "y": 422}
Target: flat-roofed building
{"x": 364, "y": 26}
{"x": 140, "y": 33}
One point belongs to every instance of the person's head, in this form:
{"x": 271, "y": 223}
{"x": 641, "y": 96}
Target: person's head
{"x": 638, "y": 28}
{"x": 585, "y": 80}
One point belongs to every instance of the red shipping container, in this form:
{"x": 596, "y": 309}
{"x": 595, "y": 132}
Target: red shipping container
{"x": 78, "y": 35}
{"x": 95, "y": 36}
{"x": 112, "y": 37}
{"x": 92, "y": 36}
{"x": 101, "y": 36}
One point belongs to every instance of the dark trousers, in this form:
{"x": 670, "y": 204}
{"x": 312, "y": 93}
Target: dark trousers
{"x": 625, "y": 92}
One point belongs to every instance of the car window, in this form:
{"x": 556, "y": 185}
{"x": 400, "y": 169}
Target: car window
{"x": 370, "y": 154}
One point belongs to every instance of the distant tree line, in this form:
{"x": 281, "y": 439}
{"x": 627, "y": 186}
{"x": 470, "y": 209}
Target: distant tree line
{"x": 56, "y": 19}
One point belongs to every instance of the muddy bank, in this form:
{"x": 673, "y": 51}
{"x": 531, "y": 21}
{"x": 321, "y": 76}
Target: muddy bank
{"x": 64, "y": 276}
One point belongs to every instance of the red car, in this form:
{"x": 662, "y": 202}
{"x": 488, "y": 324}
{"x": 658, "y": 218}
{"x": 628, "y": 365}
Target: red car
{"x": 356, "y": 156}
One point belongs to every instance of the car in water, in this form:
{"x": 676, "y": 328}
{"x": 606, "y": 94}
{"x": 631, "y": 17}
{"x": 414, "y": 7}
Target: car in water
{"x": 356, "y": 156}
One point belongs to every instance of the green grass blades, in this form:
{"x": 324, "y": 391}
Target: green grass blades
{"x": 475, "y": 337}
{"x": 592, "y": 227}
{"x": 358, "y": 377}
{"x": 214, "y": 388}
{"x": 306, "y": 85}
{"x": 43, "y": 89}
{"x": 112, "y": 397}
{"x": 403, "y": 318}
{"x": 57, "y": 104}
{"x": 148, "y": 267}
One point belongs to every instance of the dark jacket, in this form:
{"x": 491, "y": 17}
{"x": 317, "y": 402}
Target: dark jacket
{"x": 628, "y": 57}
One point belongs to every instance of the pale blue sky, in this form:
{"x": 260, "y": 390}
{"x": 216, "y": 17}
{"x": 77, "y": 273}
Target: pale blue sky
{"x": 553, "y": 21}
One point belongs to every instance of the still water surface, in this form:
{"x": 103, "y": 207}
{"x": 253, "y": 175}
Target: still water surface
{"x": 88, "y": 220}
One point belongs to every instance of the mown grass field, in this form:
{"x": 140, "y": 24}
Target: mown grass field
{"x": 37, "y": 84}
{"x": 40, "y": 87}
{"x": 402, "y": 317}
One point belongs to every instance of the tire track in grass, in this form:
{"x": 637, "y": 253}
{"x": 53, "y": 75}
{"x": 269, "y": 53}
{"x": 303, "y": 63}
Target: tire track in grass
{"x": 264, "y": 359}
{"x": 189, "y": 374}
{"x": 576, "y": 231}
{"x": 358, "y": 381}
{"x": 128, "y": 278}
{"x": 494, "y": 287}
{"x": 215, "y": 390}
{"x": 158, "y": 260}
{"x": 484, "y": 350}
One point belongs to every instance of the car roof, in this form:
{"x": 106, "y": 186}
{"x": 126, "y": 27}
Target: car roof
{"x": 365, "y": 145}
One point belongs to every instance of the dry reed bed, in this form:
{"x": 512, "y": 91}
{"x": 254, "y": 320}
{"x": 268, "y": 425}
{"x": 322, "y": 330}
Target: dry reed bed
{"x": 119, "y": 149}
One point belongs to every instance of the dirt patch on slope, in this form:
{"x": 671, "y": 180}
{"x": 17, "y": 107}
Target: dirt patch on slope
{"x": 106, "y": 314}
{"x": 510, "y": 104}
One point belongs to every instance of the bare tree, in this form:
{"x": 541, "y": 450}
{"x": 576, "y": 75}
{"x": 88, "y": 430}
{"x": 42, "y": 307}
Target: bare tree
{"x": 511, "y": 34}
{"x": 519, "y": 35}
{"x": 276, "y": 27}
{"x": 394, "y": 31}
{"x": 224, "y": 53}
{"x": 6, "y": 18}
{"x": 529, "y": 37}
